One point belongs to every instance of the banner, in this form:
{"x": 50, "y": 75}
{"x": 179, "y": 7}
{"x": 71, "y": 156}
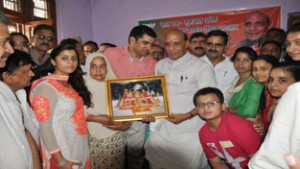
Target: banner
{"x": 232, "y": 22}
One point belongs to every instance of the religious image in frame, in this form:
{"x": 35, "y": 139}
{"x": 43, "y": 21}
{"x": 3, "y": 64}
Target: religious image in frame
{"x": 132, "y": 98}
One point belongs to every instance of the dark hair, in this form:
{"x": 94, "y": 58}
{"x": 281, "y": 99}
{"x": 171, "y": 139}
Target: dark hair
{"x": 69, "y": 41}
{"x": 185, "y": 37}
{"x": 269, "y": 59}
{"x": 3, "y": 19}
{"x": 273, "y": 42}
{"x": 45, "y": 27}
{"x": 91, "y": 43}
{"x": 274, "y": 62}
{"x": 18, "y": 34}
{"x": 15, "y": 61}
{"x": 294, "y": 28}
{"x": 293, "y": 69}
{"x": 139, "y": 31}
{"x": 278, "y": 30}
{"x": 108, "y": 44}
{"x": 75, "y": 78}
{"x": 251, "y": 53}
{"x": 197, "y": 35}
{"x": 206, "y": 91}
{"x": 218, "y": 33}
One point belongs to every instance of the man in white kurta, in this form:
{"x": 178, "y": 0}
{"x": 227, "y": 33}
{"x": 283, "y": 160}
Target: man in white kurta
{"x": 173, "y": 142}
{"x": 283, "y": 135}
{"x": 15, "y": 150}
{"x": 225, "y": 72}
{"x": 16, "y": 145}
{"x": 217, "y": 41}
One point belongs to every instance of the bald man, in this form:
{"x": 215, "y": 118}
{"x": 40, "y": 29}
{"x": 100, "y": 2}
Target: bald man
{"x": 256, "y": 25}
{"x": 173, "y": 142}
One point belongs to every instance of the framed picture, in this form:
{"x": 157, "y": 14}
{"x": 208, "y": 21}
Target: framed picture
{"x": 132, "y": 98}
{"x": 293, "y": 18}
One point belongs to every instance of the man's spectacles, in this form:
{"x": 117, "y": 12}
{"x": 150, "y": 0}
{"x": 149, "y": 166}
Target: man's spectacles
{"x": 21, "y": 44}
{"x": 43, "y": 37}
{"x": 208, "y": 104}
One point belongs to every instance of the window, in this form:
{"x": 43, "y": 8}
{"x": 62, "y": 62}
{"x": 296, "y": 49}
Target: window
{"x": 40, "y": 8}
{"x": 26, "y": 14}
{"x": 13, "y": 5}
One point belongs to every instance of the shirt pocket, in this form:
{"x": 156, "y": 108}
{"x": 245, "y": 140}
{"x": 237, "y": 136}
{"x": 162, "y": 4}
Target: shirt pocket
{"x": 180, "y": 82}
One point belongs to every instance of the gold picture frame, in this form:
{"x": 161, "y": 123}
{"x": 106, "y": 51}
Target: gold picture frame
{"x": 130, "y": 99}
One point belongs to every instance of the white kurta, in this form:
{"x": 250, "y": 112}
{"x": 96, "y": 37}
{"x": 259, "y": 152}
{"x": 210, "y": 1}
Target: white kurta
{"x": 177, "y": 146}
{"x": 14, "y": 146}
{"x": 225, "y": 73}
{"x": 30, "y": 121}
{"x": 283, "y": 136}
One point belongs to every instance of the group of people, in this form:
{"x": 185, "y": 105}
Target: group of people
{"x": 226, "y": 112}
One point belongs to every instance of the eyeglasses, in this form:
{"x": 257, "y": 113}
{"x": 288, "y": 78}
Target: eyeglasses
{"x": 209, "y": 104}
{"x": 43, "y": 37}
{"x": 21, "y": 44}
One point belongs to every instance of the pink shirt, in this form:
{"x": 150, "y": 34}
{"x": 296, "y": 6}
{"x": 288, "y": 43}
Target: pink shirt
{"x": 123, "y": 66}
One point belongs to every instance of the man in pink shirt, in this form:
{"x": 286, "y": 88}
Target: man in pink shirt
{"x": 133, "y": 61}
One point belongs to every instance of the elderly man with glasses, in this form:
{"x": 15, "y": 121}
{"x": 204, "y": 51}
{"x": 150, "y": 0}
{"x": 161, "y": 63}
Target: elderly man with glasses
{"x": 19, "y": 41}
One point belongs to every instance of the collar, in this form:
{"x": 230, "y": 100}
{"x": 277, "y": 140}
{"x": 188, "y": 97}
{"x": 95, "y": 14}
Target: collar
{"x": 206, "y": 59}
{"x": 130, "y": 57}
{"x": 182, "y": 59}
{"x": 58, "y": 77}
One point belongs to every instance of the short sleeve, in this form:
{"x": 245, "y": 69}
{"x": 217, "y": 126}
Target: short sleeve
{"x": 203, "y": 140}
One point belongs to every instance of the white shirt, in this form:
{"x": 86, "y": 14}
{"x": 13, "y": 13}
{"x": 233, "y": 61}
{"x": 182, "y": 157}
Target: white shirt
{"x": 14, "y": 146}
{"x": 283, "y": 136}
{"x": 225, "y": 72}
{"x": 185, "y": 76}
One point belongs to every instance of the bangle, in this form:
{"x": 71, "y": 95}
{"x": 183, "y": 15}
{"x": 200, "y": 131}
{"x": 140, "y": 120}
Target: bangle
{"x": 61, "y": 163}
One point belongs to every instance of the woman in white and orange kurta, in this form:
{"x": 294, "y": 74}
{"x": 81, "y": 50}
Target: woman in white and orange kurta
{"x": 58, "y": 101}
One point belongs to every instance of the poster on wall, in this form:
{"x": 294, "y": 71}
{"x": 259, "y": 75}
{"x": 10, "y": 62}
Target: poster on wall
{"x": 235, "y": 23}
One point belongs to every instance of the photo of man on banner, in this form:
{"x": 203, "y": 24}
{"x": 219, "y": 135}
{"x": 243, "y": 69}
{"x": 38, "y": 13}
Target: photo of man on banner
{"x": 244, "y": 27}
